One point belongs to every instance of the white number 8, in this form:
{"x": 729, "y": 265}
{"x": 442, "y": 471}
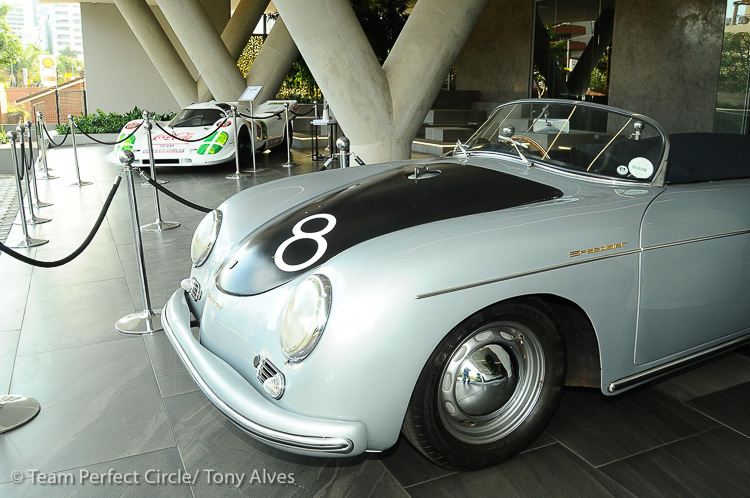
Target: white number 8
{"x": 278, "y": 258}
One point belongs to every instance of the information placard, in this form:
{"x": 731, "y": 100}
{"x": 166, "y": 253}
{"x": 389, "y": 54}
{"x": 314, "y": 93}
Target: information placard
{"x": 250, "y": 93}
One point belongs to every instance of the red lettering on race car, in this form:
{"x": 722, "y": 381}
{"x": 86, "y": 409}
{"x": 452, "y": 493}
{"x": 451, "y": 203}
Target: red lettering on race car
{"x": 163, "y": 137}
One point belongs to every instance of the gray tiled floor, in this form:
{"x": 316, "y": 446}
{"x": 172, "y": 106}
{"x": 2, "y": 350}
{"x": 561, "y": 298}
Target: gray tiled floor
{"x": 128, "y": 404}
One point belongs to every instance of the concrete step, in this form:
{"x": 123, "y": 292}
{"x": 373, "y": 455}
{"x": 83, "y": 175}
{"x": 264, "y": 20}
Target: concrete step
{"x": 449, "y": 133}
{"x": 431, "y": 147}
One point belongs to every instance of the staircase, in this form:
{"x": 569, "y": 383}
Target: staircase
{"x": 451, "y": 118}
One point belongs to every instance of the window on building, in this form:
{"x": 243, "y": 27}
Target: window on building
{"x": 733, "y": 97}
{"x": 572, "y": 49}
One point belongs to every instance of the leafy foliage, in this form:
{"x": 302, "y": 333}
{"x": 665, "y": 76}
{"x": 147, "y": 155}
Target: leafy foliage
{"x": 381, "y": 21}
{"x": 101, "y": 122}
{"x": 68, "y": 65}
{"x": 598, "y": 80}
{"x": 735, "y": 63}
{"x": 11, "y": 50}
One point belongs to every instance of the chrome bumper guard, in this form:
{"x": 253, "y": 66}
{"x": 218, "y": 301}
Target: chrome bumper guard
{"x": 239, "y": 401}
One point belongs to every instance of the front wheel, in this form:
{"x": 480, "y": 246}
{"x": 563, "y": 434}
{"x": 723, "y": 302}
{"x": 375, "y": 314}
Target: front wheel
{"x": 244, "y": 147}
{"x": 490, "y": 388}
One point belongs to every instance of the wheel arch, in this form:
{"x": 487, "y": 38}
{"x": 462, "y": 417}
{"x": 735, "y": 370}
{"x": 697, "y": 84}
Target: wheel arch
{"x": 582, "y": 354}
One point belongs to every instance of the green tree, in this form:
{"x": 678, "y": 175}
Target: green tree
{"x": 735, "y": 63}
{"x": 68, "y": 65}
{"x": 30, "y": 61}
{"x": 10, "y": 47}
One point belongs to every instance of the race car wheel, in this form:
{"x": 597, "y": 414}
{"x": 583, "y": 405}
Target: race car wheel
{"x": 490, "y": 388}
{"x": 244, "y": 147}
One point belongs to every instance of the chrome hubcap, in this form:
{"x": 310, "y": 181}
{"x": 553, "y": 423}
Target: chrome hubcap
{"x": 491, "y": 383}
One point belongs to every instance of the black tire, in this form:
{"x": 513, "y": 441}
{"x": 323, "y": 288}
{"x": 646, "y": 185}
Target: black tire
{"x": 244, "y": 147}
{"x": 515, "y": 355}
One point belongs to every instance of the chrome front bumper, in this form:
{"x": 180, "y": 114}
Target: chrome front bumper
{"x": 249, "y": 409}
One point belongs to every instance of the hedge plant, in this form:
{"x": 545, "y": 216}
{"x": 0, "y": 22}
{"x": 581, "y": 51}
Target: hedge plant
{"x": 100, "y": 122}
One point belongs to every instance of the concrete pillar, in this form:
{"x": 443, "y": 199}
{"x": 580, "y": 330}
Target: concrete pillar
{"x": 203, "y": 44}
{"x": 273, "y": 62}
{"x": 666, "y": 58}
{"x": 218, "y": 12}
{"x": 496, "y": 59}
{"x": 380, "y": 108}
{"x": 425, "y": 51}
{"x": 236, "y": 34}
{"x": 159, "y": 49}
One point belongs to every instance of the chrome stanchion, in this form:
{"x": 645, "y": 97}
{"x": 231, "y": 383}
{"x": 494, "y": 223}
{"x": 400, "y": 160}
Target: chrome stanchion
{"x": 16, "y": 410}
{"x": 238, "y": 174}
{"x": 25, "y": 241}
{"x": 43, "y": 147}
{"x": 146, "y": 321}
{"x": 32, "y": 170}
{"x": 72, "y": 125}
{"x": 31, "y": 218}
{"x": 252, "y": 141}
{"x": 159, "y": 225}
{"x": 342, "y": 144}
{"x": 289, "y": 139}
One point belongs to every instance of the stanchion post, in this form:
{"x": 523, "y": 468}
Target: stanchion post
{"x": 31, "y": 218}
{"x": 342, "y": 144}
{"x": 25, "y": 241}
{"x": 72, "y": 125}
{"x": 43, "y": 147}
{"x": 289, "y": 138}
{"x": 159, "y": 225}
{"x": 236, "y": 126}
{"x": 37, "y": 203}
{"x": 146, "y": 321}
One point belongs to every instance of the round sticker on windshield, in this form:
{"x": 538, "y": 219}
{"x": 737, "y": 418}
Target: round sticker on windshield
{"x": 641, "y": 168}
{"x": 622, "y": 170}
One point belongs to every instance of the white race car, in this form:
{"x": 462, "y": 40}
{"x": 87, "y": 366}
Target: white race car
{"x": 204, "y": 134}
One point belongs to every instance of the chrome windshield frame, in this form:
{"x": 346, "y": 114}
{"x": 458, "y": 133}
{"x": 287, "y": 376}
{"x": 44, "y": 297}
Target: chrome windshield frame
{"x": 658, "y": 178}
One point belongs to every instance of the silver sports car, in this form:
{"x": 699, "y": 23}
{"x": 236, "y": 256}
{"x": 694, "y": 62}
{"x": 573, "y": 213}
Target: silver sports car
{"x": 451, "y": 299}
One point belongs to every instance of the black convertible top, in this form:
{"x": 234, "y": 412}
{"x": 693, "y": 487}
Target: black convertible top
{"x": 705, "y": 157}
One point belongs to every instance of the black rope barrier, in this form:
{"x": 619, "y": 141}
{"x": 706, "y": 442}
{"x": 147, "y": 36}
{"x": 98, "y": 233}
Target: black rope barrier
{"x": 218, "y": 127}
{"x": 22, "y": 170}
{"x": 174, "y": 196}
{"x": 302, "y": 115}
{"x": 110, "y": 143}
{"x": 53, "y": 142}
{"x": 248, "y": 116}
{"x": 81, "y": 248}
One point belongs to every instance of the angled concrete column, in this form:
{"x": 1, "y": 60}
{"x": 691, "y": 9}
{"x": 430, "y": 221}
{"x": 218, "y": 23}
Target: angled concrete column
{"x": 380, "y": 108}
{"x": 159, "y": 49}
{"x": 273, "y": 62}
{"x": 218, "y": 11}
{"x": 425, "y": 51}
{"x": 237, "y": 32}
{"x": 203, "y": 44}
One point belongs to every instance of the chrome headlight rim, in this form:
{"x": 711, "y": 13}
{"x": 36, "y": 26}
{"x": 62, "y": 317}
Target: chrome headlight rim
{"x": 212, "y": 236}
{"x": 314, "y": 334}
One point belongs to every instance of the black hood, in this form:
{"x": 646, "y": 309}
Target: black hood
{"x": 287, "y": 246}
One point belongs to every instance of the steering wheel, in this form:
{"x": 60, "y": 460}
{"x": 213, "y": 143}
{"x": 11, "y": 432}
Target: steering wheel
{"x": 531, "y": 142}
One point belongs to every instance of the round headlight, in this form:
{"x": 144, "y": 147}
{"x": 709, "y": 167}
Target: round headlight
{"x": 305, "y": 317}
{"x": 204, "y": 237}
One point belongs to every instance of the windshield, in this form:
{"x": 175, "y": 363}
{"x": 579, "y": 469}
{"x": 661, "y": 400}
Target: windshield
{"x": 196, "y": 117}
{"x": 575, "y": 136}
